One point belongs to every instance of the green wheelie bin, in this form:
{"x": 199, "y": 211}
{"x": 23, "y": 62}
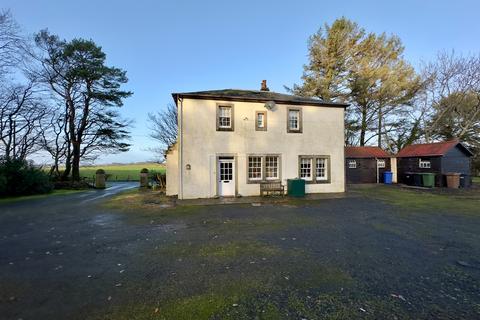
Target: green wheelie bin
{"x": 428, "y": 180}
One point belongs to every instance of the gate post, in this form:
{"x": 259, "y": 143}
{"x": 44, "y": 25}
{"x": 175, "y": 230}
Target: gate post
{"x": 144, "y": 178}
{"x": 100, "y": 179}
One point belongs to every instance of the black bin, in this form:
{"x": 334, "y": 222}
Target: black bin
{"x": 417, "y": 179}
{"x": 408, "y": 178}
{"x": 465, "y": 181}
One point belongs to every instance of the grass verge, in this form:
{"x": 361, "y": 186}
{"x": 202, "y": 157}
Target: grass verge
{"x": 465, "y": 202}
{"x": 38, "y": 196}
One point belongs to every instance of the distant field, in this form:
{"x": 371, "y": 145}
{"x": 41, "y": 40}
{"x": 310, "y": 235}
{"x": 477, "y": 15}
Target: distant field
{"x": 476, "y": 180}
{"x": 122, "y": 172}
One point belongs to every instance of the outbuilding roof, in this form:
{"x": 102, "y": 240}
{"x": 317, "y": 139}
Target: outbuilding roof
{"x": 256, "y": 96}
{"x": 431, "y": 149}
{"x": 366, "y": 152}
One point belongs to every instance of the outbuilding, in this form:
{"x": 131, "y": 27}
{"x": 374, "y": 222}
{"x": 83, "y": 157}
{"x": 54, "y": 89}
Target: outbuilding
{"x": 366, "y": 164}
{"x": 439, "y": 158}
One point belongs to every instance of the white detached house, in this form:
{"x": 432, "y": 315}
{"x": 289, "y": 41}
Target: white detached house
{"x": 230, "y": 141}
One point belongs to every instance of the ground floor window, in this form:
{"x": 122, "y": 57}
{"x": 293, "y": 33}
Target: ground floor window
{"x": 306, "y": 168}
{"x": 263, "y": 168}
{"x": 255, "y": 168}
{"x": 314, "y": 169}
{"x": 321, "y": 168}
{"x": 271, "y": 167}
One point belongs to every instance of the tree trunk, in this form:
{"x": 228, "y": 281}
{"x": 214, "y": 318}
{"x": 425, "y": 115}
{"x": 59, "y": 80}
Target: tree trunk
{"x": 363, "y": 129}
{"x": 68, "y": 166}
{"x": 380, "y": 115}
{"x": 76, "y": 161}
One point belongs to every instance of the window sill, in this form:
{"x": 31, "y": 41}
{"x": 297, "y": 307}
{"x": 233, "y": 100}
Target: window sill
{"x": 224, "y": 129}
{"x": 263, "y": 181}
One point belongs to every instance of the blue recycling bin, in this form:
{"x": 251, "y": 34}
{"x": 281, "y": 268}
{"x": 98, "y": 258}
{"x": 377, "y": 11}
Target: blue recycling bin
{"x": 387, "y": 177}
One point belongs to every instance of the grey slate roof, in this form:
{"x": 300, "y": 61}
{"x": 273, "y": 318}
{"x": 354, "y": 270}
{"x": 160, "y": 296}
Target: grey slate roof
{"x": 255, "y": 96}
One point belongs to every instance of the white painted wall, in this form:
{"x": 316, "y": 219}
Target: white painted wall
{"x": 323, "y": 134}
{"x": 393, "y": 166}
{"x": 172, "y": 171}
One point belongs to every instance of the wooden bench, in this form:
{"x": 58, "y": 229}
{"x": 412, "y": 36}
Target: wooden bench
{"x": 271, "y": 188}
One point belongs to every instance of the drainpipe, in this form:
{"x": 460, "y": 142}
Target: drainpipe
{"x": 180, "y": 151}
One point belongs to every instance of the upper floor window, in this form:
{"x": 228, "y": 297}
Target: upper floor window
{"x": 381, "y": 163}
{"x": 294, "y": 120}
{"x": 425, "y": 164}
{"x": 260, "y": 121}
{"x": 224, "y": 118}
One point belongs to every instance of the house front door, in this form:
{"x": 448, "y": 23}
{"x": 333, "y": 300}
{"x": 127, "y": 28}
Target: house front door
{"x": 226, "y": 176}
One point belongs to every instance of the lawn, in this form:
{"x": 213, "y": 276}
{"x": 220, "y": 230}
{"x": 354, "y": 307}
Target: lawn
{"x": 476, "y": 180}
{"x": 38, "y": 196}
{"x": 122, "y": 172}
{"x": 382, "y": 252}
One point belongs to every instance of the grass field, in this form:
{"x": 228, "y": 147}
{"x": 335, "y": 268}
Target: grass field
{"x": 122, "y": 172}
{"x": 476, "y": 180}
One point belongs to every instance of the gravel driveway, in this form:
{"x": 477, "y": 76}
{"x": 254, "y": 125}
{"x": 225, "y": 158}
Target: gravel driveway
{"x": 69, "y": 257}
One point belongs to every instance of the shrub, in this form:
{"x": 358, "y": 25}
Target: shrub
{"x": 19, "y": 177}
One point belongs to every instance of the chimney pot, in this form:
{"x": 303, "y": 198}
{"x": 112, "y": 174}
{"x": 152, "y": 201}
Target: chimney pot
{"x": 264, "y": 86}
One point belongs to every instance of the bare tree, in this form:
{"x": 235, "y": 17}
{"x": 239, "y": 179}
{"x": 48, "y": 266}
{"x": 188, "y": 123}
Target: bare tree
{"x": 164, "y": 128}
{"x": 54, "y": 140}
{"x": 21, "y": 114}
{"x": 12, "y": 43}
{"x": 453, "y": 92}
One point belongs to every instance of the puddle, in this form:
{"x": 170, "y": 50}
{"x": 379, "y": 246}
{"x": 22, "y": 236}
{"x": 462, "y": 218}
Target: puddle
{"x": 169, "y": 227}
{"x": 104, "y": 219}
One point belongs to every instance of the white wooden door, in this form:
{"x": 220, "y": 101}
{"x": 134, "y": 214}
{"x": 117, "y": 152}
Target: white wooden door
{"x": 226, "y": 177}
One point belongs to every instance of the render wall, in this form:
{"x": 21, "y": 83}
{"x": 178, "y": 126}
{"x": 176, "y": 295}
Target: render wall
{"x": 172, "y": 172}
{"x": 201, "y": 143}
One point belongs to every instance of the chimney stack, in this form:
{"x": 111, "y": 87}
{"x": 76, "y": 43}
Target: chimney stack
{"x": 264, "y": 86}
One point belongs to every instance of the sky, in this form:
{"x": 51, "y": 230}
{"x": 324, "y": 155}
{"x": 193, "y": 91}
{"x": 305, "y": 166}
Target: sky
{"x": 181, "y": 46}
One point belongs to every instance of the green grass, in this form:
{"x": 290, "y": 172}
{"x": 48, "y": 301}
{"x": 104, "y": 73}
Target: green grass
{"x": 460, "y": 201}
{"x": 122, "y": 172}
{"x": 476, "y": 180}
{"x": 38, "y": 196}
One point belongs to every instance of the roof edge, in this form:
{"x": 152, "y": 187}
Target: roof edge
{"x": 246, "y": 99}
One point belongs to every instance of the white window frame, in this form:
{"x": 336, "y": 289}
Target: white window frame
{"x": 294, "y": 115}
{"x": 220, "y": 114}
{"x": 261, "y": 125}
{"x": 352, "y": 164}
{"x": 276, "y": 166}
{"x": 249, "y": 167}
{"x": 264, "y": 168}
{"x": 381, "y": 163}
{"x": 325, "y": 169}
{"x": 303, "y": 169}
{"x": 424, "y": 164}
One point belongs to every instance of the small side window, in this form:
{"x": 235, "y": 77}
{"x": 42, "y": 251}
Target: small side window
{"x": 294, "y": 120}
{"x": 261, "y": 121}
{"x": 352, "y": 164}
{"x": 424, "y": 164}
